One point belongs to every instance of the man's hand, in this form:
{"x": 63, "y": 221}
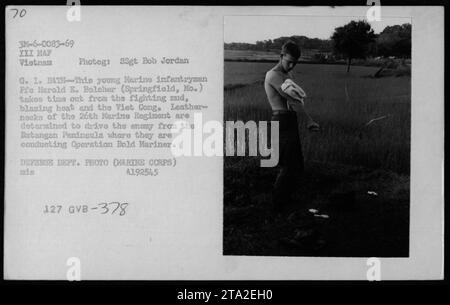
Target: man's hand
{"x": 312, "y": 126}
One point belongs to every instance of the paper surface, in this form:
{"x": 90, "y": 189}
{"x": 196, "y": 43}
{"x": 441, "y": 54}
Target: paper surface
{"x": 130, "y": 210}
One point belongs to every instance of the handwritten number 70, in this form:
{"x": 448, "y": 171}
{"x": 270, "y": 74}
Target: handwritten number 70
{"x": 21, "y": 13}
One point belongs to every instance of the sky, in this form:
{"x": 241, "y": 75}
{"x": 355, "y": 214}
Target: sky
{"x": 253, "y": 28}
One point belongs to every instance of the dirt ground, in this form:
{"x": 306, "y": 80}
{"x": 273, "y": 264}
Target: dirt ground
{"x": 338, "y": 210}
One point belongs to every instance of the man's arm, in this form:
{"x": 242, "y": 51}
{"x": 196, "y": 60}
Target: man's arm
{"x": 301, "y": 111}
{"x": 275, "y": 81}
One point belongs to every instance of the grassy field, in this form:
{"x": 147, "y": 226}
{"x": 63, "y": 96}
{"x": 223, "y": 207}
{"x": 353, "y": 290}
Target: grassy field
{"x": 342, "y": 104}
{"x": 343, "y": 162}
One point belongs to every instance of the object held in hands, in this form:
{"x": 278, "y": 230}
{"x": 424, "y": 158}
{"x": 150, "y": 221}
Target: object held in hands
{"x": 313, "y": 126}
{"x": 294, "y": 91}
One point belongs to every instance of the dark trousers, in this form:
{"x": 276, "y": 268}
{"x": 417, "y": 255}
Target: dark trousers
{"x": 290, "y": 163}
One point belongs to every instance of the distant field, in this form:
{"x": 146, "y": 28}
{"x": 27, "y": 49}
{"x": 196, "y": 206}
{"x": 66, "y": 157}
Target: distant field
{"x": 251, "y": 55}
{"x": 342, "y": 104}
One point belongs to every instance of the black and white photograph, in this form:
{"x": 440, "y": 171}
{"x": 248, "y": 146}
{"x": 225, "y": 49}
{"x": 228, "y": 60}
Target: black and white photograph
{"x": 340, "y": 90}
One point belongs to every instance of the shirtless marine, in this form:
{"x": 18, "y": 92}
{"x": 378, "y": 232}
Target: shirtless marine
{"x": 285, "y": 110}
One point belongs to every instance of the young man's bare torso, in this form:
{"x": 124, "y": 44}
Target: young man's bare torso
{"x": 272, "y": 84}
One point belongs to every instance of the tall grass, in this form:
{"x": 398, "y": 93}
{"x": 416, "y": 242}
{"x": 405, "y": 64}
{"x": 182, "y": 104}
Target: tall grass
{"x": 342, "y": 104}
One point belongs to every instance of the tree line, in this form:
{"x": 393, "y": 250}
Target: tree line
{"x": 353, "y": 40}
{"x": 324, "y": 45}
